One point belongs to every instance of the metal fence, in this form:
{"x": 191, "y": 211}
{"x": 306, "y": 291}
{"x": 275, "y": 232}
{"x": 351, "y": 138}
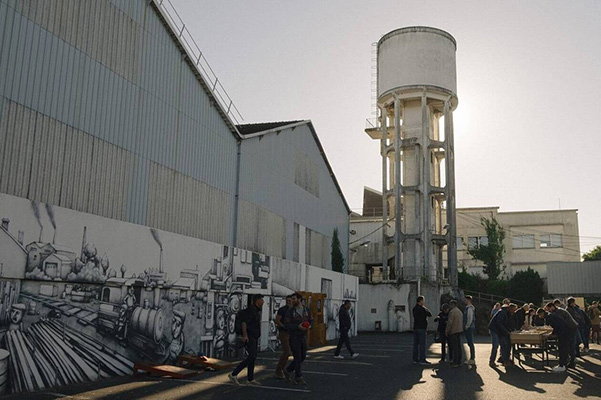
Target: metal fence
{"x": 199, "y": 60}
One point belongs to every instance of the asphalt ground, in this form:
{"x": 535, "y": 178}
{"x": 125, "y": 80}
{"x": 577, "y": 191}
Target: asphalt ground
{"x": 383, "y": 370}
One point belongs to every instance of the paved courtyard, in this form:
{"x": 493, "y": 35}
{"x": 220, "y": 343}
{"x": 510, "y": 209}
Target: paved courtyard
{"x": 384, "y": 370}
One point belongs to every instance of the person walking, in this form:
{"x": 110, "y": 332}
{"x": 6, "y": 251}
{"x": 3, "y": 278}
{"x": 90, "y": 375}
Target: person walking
{"x": 442, "y": 318}
{"x": 284, "y": 338}
{"x": 595, "y": 315}
{"x": 453, "y": 332}
{"x": 344, "y": 319}
{"x": 569, "y": 336}
{"x": 298, "y": 321}
{"x": 420, "y": 325}
{"x": 251, "y": 332}
{"x": 469, "y": 325}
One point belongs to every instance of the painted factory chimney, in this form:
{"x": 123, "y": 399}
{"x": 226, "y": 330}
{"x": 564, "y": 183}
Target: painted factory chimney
{"x": 83, "y": 243}
{"x": 417, "y": 86}
{"x": 157, "y": 239}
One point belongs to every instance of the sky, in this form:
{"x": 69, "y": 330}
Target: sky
{"x": 527, "y": 130}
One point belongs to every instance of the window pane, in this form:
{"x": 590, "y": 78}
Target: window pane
{"x": 523, "y": 241}
{"x": 460, "y": 243}
{"x": 483, "y": 240}
{"x": 472, "y": 241}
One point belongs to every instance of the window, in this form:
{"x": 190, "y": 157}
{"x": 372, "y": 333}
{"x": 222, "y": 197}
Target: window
{"x": 523, "y": 242}
{"x": 474, "y": 241}
{"x": 550, "y": 240}
{"x": 460, "y": 245}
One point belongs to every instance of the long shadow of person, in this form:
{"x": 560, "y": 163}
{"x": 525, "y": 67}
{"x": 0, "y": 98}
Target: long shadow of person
{"x": 462, "y": 383}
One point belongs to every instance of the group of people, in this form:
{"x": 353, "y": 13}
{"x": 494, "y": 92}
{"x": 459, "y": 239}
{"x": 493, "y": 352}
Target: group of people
{"x": 293, "y": 321}
{"x": 452, "y": 323}
{"x": 571, "y": 325}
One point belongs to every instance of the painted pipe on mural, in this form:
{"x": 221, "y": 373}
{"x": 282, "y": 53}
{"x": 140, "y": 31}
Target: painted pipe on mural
{"x": 148, "y": 322}
{"x": 3, "y": 370}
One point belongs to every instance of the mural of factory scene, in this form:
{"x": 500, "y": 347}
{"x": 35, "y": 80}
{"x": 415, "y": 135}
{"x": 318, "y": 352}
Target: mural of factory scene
{"x": 82, "y": 297}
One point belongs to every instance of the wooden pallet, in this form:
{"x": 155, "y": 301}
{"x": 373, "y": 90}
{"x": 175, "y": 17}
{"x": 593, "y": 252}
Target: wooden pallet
{"x": 165, "y": 371}
{"x": 205, "y": 362}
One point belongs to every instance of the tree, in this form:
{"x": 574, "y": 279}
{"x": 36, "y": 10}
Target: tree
{"x": 593, "y": 255}
{"x": 527, "y": 286}
{"x": 491, "y": 254}
{"x": 337, "y": 258}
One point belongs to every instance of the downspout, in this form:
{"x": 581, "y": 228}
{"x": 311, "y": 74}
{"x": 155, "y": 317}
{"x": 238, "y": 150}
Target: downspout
{"x": 236, "y": 196}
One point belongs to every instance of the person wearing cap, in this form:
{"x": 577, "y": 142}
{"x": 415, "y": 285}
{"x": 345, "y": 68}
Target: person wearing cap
{"x": 178, "y": 341}
{"x": 251, "y": 332}
{"x": 442, "y": 318}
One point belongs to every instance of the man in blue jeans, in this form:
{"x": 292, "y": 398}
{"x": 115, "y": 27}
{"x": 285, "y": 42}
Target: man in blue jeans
{"x": 420, "y": 324}
{"x": 469, "y": 325}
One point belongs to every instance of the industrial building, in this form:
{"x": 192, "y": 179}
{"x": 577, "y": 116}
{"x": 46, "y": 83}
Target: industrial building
{"x": 532, "y": 239}
{"x": 138, "y": 210}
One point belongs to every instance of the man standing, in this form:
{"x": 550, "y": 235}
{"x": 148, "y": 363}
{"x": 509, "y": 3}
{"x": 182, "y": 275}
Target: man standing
{"x": 469, "y": 324}
{"x": 251, "y": 332}
{"x": 298, "y": 321}
{"x": 442, "y": 319}
{"x": 453, "y": 332}
{"x": 595, "y": 315}
{"x": 420, "y": 324}
{"x": 569, "y": 336}
{"x": 284, "y": 338}
{"x": 500, "y": 335}
{"x": 572, "y": 309}
{"x": 344, "y": 320}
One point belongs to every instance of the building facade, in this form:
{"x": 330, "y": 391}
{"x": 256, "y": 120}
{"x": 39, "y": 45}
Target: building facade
{"x": 532, "y": 239}
{"x": 138, "y": 214}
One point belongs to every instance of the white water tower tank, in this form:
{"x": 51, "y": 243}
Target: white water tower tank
{"x": 417, "y": 56}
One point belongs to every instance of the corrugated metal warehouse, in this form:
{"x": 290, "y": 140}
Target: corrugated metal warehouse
{"x": 104, "y": 111}
{"x": 582, "y": 279}
{"x": 136, "y": 210}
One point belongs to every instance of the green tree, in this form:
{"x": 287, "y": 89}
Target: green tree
{"x": 527, "y": 286}
{"x": 337, "y": 258}
{"x": 491, "y": 254}
{"x": 593, "y": 255}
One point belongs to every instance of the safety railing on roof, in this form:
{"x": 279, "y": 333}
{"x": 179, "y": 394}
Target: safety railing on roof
{"x": 199, "y": 60}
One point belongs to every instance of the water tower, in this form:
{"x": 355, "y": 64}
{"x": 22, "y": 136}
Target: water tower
{"x": 417, "y": 86}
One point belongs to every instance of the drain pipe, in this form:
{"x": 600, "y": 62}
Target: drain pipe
{"x": 236, "y": 196}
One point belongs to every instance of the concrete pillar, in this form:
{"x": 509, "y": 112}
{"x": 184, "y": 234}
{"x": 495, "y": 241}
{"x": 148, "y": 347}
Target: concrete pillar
{"x": 383, "y": 146}
{"x": 397, "y": 187}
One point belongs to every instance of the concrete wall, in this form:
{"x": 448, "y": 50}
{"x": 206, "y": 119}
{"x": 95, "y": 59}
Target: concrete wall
{"x": 135, "y": 292}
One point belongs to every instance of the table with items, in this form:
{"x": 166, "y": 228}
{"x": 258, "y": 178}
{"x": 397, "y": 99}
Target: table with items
{"x": 536, "y": 340}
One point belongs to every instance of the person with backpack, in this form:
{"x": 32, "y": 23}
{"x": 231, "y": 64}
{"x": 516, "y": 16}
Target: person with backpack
{"x": 248, "y": 324}
{"x": 298, "y": 321}
{"x": 584, "y": 328}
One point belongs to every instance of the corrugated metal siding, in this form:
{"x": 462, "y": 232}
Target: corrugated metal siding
{"x": 574, "y": 278}
{"x": 268, "y": 175}
{"x": 107, "y": 95}
{"x": 261, "y": 230}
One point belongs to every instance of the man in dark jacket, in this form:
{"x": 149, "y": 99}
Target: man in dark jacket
{"x": 442, "y": 319}
{"x": 298, "y": 321}
{"x": 420, "y": 324}
{"x": 572, "y": 309}
{"x": 561, "y": 330}
{"x": 571, "y": 332}
{"x": 251, "y": 332}
{"x": 501, "y": 325}
{"x": 344, "y": 321}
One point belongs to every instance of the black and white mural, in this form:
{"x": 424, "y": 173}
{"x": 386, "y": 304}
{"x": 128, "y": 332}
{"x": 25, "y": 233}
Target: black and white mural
{"x": 82, "y": 297}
